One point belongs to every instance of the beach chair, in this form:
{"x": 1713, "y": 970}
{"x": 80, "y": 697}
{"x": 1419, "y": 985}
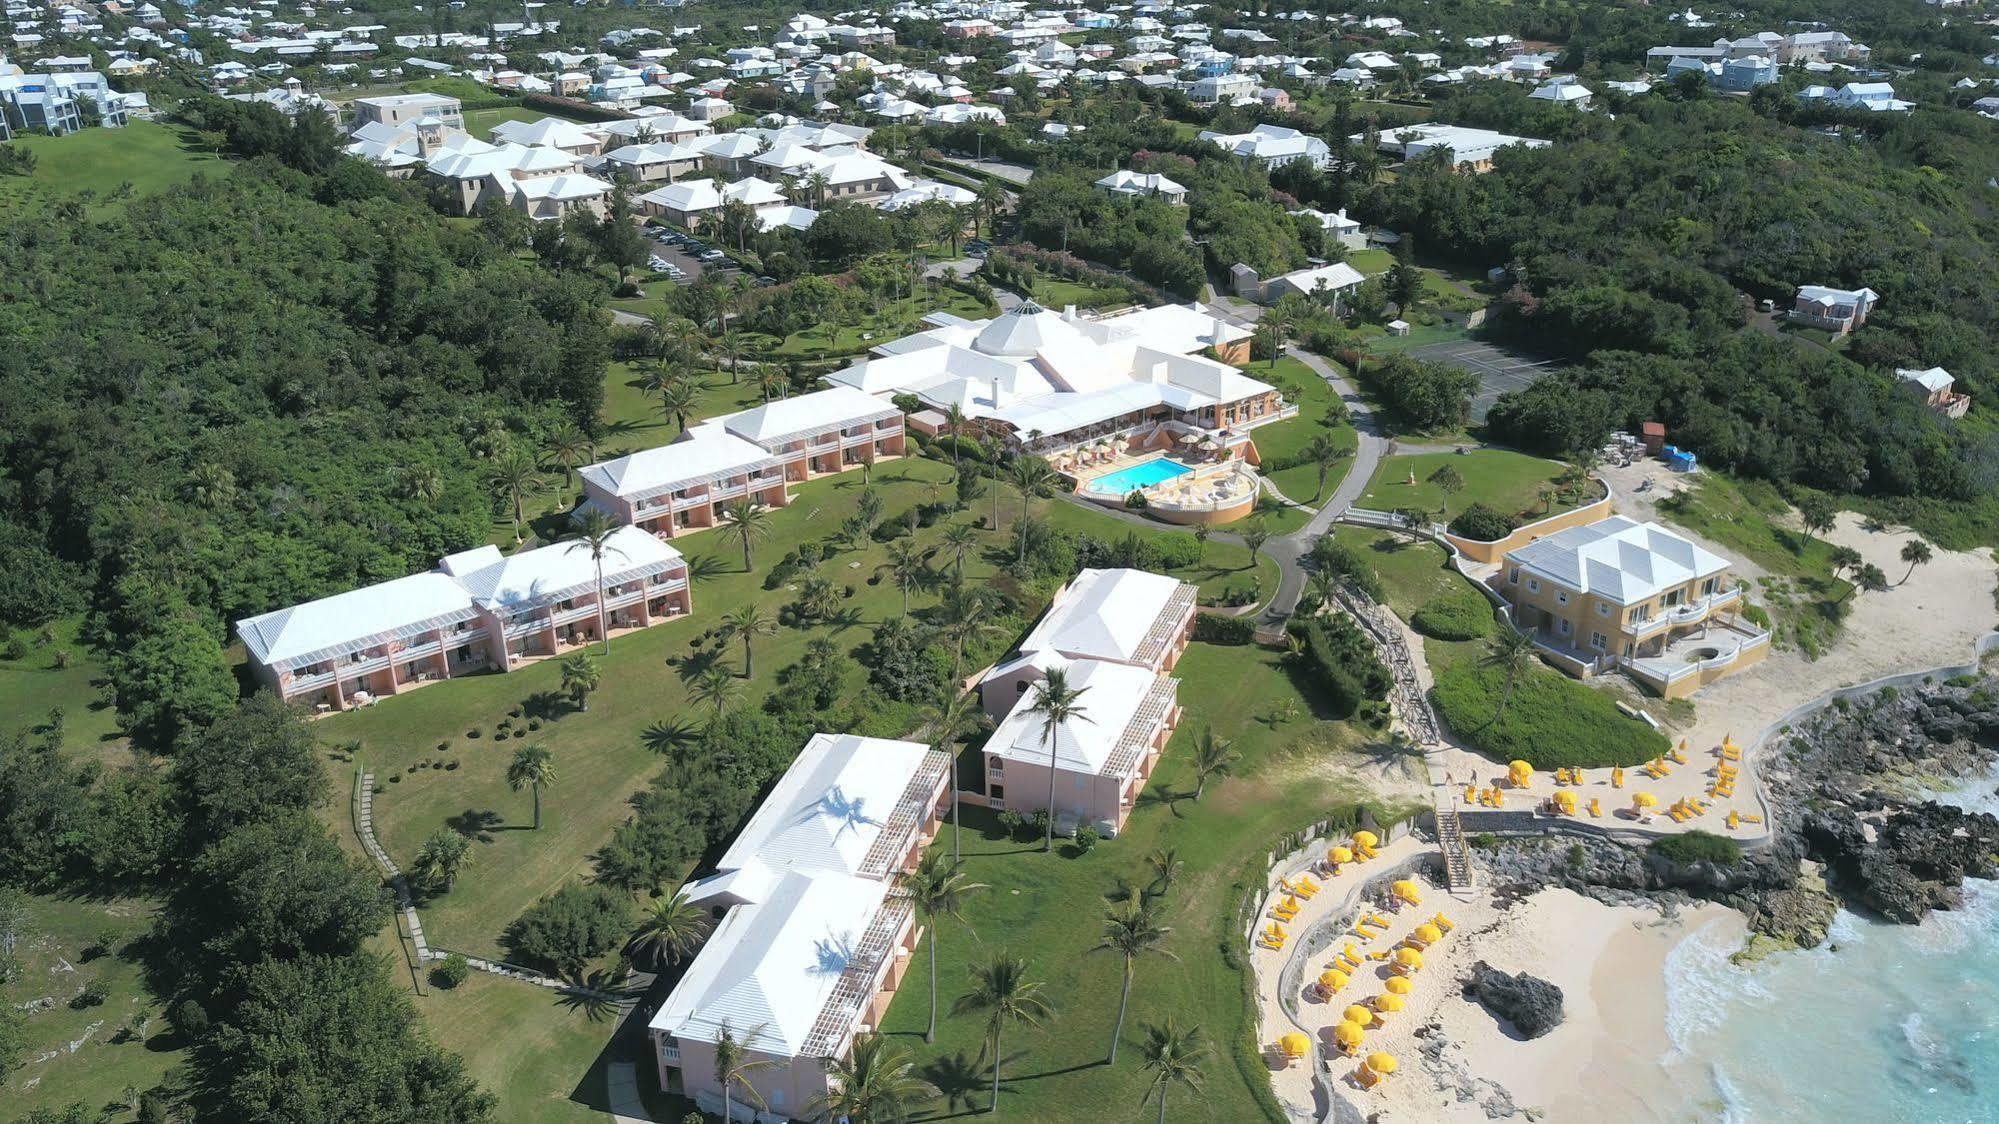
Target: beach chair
{"x": 1678, "y": 815}
{"x": 1734, "y": 820}
{"x": 1679, "y": 756}
{"x": 1747, "y": 818}
{"x": 1730, "y": 753}
{"x": 1617, "y": 777}
{"x": 1310, "y": 886}
{"x": 1442, "y": 922}
{"x": 1595, "y": 807}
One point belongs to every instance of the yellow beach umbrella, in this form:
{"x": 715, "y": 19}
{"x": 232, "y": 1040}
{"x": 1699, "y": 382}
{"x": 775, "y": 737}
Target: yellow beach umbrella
{"x": 1340, "y": 855}
{"x": 1566, "y": 801}
{"x": 1520, "y": 773}
{"x": 1390, "y": 1002}
{"x": 1365, "y": 839}
{"x": 1381, "y": 1062}
{"x": 1295, "y": 1045}
{"x": 1644, "y": 800}
{"x": 1358, "y": 1015}
{"x": 1348, "y": 1034}
{"x": 1406, "y": 889}
{"x": 1399, "y": 985}
{"x": 1332, "y": 979}
{"x": 1428, "y": 933}
{"x": 1409, "y": 958}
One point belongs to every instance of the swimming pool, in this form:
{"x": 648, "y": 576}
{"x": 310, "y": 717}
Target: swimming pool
{"x": 1144, "y": 475}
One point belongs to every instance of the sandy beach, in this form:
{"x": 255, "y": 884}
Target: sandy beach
{"x": 1610, "y": 1059}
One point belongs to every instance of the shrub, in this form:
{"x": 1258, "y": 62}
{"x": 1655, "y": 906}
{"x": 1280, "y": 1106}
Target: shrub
{"x": 1214, "y": 628}
{"x": 1086, "y": 839}
{"x": 1482, "y": 523}
{"x": 1461, "y": 615}
{"x": 1551, "y": 721}
{"x": 566, "y": 929}
{"x": 93, "y": 994}
{"x": 1698, "y": 847}
{"x": 1136, "y": 500}
{"x": 1348, "y": 668}
{"x": 1344, "y": 560}
{"x": 451, "y": 971}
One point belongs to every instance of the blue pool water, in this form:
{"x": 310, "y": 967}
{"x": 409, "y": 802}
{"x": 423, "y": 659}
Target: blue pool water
{"x": 1125, "y": 480}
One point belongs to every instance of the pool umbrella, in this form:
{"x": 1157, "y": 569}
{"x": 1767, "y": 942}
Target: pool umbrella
{"x": 1295, "y": 1045}
{"x": 1428, "y": 933}
{"x": 1389, "y": 1003}
{"x": 1399, "y": 985}
{"x": 1382, "y": 1063}
{"x": 1348, "y": 1034}
{"x": 1358, "y": 1015}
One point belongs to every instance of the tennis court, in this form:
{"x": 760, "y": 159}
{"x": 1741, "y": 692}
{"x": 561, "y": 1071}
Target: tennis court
{"x": 1498, "y": 369}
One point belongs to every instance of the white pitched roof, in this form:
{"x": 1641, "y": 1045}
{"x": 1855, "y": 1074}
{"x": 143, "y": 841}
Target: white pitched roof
{"x": 704, "y": 451}
{"x": 829, "y": 807}
{"x": 532, "y": 577}
{"x": 1618, "y": 559}
{"x": 1931, "y": 379}
{"x": 550, "y": 131}
{"x": 344, "y": 619}
{"x": 774, "y": 421}
{"x": 1103, "y": 614}
{"x": 1111, "y": 696}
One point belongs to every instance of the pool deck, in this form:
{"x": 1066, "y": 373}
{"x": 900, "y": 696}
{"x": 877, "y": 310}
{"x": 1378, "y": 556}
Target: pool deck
{"x": 1124, "y": 464}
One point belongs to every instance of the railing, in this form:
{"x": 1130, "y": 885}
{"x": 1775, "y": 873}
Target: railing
{"x": 361, "y": 667}
{"x": 1690, "y": 613}
{"x": 1637, "y": 666}
{"x": 523, "y": 627}
{"x": 308, "y": 682}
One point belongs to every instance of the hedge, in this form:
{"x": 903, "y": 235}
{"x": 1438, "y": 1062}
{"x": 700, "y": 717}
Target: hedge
{"x": 1214, "y": 628}
{"x": 1551, "y": 721}
{"x": 1348, "y": 668}
{"x": 1697, "y": 847}
{"x": 1461, "y": 615}
{"x": 1481, "y": 523}
{"x": 1342, "y": 559}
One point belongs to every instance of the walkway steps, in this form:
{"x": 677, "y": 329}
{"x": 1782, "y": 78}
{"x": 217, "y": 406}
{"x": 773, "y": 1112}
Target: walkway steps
{"x": 1457, "y": 853}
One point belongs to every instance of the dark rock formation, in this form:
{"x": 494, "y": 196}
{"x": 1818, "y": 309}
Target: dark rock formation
{"x": 1531, "y": 1004}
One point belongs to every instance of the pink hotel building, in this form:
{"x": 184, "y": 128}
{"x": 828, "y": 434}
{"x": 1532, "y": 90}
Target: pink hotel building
{"x": 478, "y": 610}
{"x": 812, "y": 933}
{"x": 756, "y": 454}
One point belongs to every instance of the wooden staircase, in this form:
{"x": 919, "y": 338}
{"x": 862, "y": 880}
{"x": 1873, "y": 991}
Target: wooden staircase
{"x": 1457, "y": 853}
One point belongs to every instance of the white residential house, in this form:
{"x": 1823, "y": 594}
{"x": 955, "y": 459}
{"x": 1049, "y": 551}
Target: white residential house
{"x": 1272, "y": 146}
{"x": 1838, "y": 311}
{"x": 1338, "y": 227}
{"x": 1144, "y": 183}
{"x": 1470, "y": 149}
{"x": 402, "y": 109}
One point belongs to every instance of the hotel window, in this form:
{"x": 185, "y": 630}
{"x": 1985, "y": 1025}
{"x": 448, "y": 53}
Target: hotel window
{"x": 1533, "y": 585}
{"x": 1597, "y": 641}
{"x": 1566, "y": 628}
{"x": 1561, "y": 597}
{"x": 1514, "y": 576}
{"x": 1707, "y": 588}
{"x": 1602, "y": 610}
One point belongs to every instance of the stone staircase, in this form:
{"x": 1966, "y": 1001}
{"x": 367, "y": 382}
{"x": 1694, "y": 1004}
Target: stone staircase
{"x": 1457, "y": 853}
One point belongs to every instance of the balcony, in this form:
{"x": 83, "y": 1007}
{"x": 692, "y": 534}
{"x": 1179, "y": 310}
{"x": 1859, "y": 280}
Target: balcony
{"x": 576, "y": 613}
{"x": 347, "y": 668}
{"x": 299, "y": 683}
{"x": 525, "y": 625}
{"x": 1680, "y": 616}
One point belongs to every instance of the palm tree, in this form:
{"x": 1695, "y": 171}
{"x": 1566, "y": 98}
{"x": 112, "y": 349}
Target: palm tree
{"x": 1868, "y": 577}
{"x": 993, "y": 198}
{"x": 959, "y": 539}
{"x": 1512, "y": 651}
{"x": 938, "y": 890}
{"x": 965, "y": 618}
{"x": 1131, "y": 932}
{"x": 510, "y": 478}
{"x": 731, "y": 348}
{"x": 594, "y": 532}
{"x": 817, "y": 183}
{"x": 1056, "y": 703}
{"x": 671, "y": 929}
{"x": 750, "y": 524}
{"x": 746, "y": 623}
{"x": 1174, "y": 1056}
{"x": 716, "y": 688}
{"x": 1322, "y": 451}
{"x": 580, "y": 676}
{"x": 954, "y": 420}
{"x": 733, "y": 1064}
{"x": 532, "y": 767}
{"x": 949, "y": 718}
{"x": 1915, "y": 552}
{"x": 1033, "y": 479}
{"x": 1165, "y": 863}
{"x": 1213, "y": 757}
{"x": 437, "y": 862}
{"x": 675, "y": 400}
{"x": 1201, "y": 533}
{"x": 905, "y": 568}
{"x": 423, "y": 483}
{"x": 772, "y": 382}
{"x": 1817, "y": 514}
{"x": 1845, "y": 558}
{"x": 568, "y": 447}
{"x": 1001, "y": 989}
{"x": 875, "y": 1084}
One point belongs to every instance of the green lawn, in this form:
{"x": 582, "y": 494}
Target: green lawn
{"x": 1371, "y": 262}
{"x": 1281, "y": 441}
{"x": 1506, "y": 481}
{"x": 544, "y": 1056}
{"x": 891, "y": 320}
{"x": 87, "y": 1064}
{"x": 1223, "y": 564}
{"x": 1413, "y": 573}
{"x": 1805, "y": 601}
{"x": 1053, "y": 292}
{"x": 1047, "y": 909}
{"x": 150, "y": 156}
{"x": 480, "y": 122}
{"x": 31, "y": 687}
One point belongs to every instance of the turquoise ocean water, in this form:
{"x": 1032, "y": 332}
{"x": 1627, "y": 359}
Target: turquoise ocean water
{"x": 1883, "y": 1023}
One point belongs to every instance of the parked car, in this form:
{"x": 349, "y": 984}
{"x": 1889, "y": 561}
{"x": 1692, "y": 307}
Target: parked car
{"x": 766, "y": 282}
{"x": 711, "y": 255}
{"x": 658, "y": 264}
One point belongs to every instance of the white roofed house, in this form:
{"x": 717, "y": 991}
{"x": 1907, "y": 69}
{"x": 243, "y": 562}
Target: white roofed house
{"x": 1632, "y": 596}
{"x": 550, "y": 132}
{"x": 1838, "y": 311}
{"x": 1143, "y": 183}
{"x": 1470, "y": 150}
{"x": 691, "y": 201}
{"x": 512, "y": 174}
{"x": 756, "y": 454}
{"x": 1114, "y": 634}
{"x": 401, "y": 109}
{"x": 1338, "y": 227}
{"x": 1272, "y": 146}
{"x": 659, "y": 162}
{"x": 812, "y": 935}
{"x": 479, "y": 610}
{"x": 1936, "y": 388}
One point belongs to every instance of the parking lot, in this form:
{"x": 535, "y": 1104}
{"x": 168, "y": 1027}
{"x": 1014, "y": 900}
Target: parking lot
{"x": 1498, "y": 369}
{"x": 690, "y": 266}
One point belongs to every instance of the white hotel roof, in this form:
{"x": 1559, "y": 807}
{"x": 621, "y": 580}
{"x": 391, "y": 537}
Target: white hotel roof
{"x": 329, "y": 623}
{"x": 529, "y": 577}
{"x": 1103, "y": 614}
{"x": 799, "y": 908}
{"x": 1112, "y": 694}
{"x": 1619, "y": 559}
{"x": 728, "y": 445}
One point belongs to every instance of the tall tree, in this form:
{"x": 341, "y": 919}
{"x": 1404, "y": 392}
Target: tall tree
{"x": 533, "y": 766}
{"x": 580, "y": 676}
{"x": 510, "y": 478}
{"x": 959, "y": 540}
{"x": 954, "y": 714}
{"x": 747, "y": 622}
{"x": 717, "y": 688}
{"x": 594, "y": 531}
{"x": 1175, "y": 1057}
{"x": 1131, "y": 932}
{"x": 733, "y": 1065}
{"x": 938, "y": 891}
{"x": 671, "y": 929}
{"x": 1916, "y": 553}
{"x": 749, "y": 524}
{"x": 1058, "y": 704}
{"x": 1323, "y": 452}
{"x": 905, "y": 568}
{"x": 1001, "y": 989}
{"x": 1213, "y": 757}
{"x": 438, "y": 860}
{"x": 874, "y": 1084}
{"x": 1511, "y": 651}
{"x": 1033, "y": 479}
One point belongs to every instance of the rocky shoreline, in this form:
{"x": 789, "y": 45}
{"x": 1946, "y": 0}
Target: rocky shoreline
{"x": 1853, "y": 827}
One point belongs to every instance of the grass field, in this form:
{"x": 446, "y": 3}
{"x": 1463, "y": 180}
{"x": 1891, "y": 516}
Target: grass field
{"x": 543, "y": 1056}
{"x": 890, "y": 320}
{"x": 148, "y": 155}
{"x": 1056, "y": 293}
{"x": 84, "y": 1054}
{"x": 1048, "y": 908}
{"x": 31, "y": 687}
{"x": 1506, "y": 481}
{"x": 1805, "y": 601}
{"x": 1285, "y": 440}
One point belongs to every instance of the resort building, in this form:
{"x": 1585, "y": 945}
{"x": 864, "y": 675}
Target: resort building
{"x": 1116, "y": 633}
{"x": 1838, "y": 311}
{"x": 396, "y": 110}
{"x": 1470, "y": 150}
{"x": 1618, "y": 594}
{"x": 1096, "y": 396}
{"x": 756, "y": 454}
{"x": 812, "y": 936}
{"x": 479, "y": 610}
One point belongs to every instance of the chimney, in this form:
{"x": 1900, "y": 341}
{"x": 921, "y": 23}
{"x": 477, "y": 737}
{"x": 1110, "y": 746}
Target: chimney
{"x": 995, "y": 393}
{"x": 1069, "y": 313}
{"x": 1220, "y": 327}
